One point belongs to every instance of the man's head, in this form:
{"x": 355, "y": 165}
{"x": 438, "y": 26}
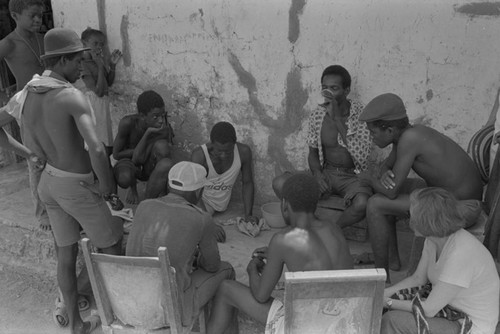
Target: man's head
{"x": 386, "y": 117}
{"x": 223, "y": 138}
{"x": 63, "y": 53}
{"x": 187, "y": 179}
{"x": 94, "y": 39}
{"x": 151, "y": 106}
{"x": 300, "y": 194}
{"x": 435, "y": 212}
{"x": 337, "y": 80}
{"x": 27, "y": 14}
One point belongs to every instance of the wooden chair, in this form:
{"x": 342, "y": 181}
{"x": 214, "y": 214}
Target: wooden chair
{"x": 136, "y": 294}
{"x": 335, "y": 301}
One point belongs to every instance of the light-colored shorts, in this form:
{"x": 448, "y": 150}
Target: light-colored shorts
{"x": 275, "y": 323}
{"x": 70, "y": 205}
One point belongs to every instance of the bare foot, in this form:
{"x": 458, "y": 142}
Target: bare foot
{"x": 132, "y": 196}
{"x": 45, "y": 226}
{"x": 394, "y": 262}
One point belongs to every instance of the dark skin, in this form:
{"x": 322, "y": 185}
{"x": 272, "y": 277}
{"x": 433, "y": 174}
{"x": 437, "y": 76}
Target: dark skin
{"x": 135, "y": 140}
{"x": 222, "y": 156}
{"x": 308, "y": 244}
{"x": 435, "y": 158}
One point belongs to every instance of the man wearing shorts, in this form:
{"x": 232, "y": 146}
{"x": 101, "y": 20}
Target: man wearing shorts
{"x": 308, "y": 244}
{"x": 142, "y": 148}
{"x": 437, "y": 159}
{"x": 56, "y": 123}
{"x": 339, "y": 146}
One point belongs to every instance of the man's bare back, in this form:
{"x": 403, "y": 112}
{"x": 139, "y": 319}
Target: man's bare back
{"x": 439, "y": 161}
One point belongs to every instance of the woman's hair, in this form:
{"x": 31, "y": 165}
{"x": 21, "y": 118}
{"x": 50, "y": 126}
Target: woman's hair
{"x": 435, "y": 212}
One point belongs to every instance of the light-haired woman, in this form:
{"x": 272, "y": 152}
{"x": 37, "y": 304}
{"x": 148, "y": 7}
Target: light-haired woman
{"x": 463, "y": 294}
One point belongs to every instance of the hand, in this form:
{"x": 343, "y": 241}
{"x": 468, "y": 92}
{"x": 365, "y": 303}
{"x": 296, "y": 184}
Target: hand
{"x": 38, "y": 163}
{"x": 333, "y": 108}
{"x": 387, "y": 180}
{"x": 256, "y": 264}
{"x": 220, "y": 234}
{"x": 323, "y": 185}
{"x": 95, "y": 188}
{"x": 115, "y": 57}
{"x": 260, "y": 252}
{"x": 97, "y": 57}
{"x": 252, "y": 219}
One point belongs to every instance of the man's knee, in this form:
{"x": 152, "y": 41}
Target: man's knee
{"x": 161, "y": 149}
{"x": 163, "y": 166}
{"x": 359, "y": 203}
{"x": 375, "y": 204}
{"x": 228, "y": 270}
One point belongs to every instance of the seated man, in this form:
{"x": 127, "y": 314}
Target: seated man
{"x": 437, "y": 159}
{"x": 142, "y": 148}
{"x": 176, "y": 222}
{"x": 308, "y": 244}
{"x": 224, "y": 158}
{"x": 339, "y": 146}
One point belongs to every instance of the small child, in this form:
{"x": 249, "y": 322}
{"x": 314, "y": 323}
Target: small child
{"x": 98, "y": 75}
{"x": 23, "y": 47}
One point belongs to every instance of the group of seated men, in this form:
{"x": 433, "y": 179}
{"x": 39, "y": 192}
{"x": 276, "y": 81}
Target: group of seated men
{"x": 58, "y": 133}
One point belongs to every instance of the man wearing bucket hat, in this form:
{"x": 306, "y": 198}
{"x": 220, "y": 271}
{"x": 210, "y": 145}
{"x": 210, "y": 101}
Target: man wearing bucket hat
{"x": 188, "y": 232}
{"x": 56, "y": 123}
{"x": 437, "y": 159}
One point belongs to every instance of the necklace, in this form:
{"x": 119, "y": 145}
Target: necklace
{"x": 32, "y": 50}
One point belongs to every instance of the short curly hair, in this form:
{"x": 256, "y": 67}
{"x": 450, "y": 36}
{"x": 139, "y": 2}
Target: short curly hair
{"x": 223, "y": 133}
{"x": 149, "y": 100}
{"x": 89, "y": 32}
{"x": 301, "y": 191}
{"x": 17, "y": 6}
{"x": 435, "y": 212}
{"x": 340, "y": 71}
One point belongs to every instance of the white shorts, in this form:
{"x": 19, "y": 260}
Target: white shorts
{"x": 275, "y": 323}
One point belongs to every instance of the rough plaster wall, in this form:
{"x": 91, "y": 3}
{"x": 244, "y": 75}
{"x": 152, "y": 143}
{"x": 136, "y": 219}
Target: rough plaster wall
{"x": 257, "y": 63}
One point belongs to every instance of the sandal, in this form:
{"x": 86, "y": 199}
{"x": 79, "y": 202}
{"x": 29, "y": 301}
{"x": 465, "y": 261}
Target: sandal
{"x": 60, "y": 314}
{"x": 94, "y": 320}
{"x": 83, "y": 303}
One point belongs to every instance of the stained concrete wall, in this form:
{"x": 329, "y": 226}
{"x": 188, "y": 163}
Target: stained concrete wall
{"x": 257, "y": 63}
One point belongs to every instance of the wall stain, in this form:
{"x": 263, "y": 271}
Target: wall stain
{"x": 296, "y": 9}
{"x": 429, "y": 94}
{"x": 479, "y": 9}
{"x": 127, "y": 59}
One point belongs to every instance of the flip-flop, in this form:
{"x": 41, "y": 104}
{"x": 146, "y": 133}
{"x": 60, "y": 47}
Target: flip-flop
{"x": 60, "y": 314}
{"x": 83, "y": 303}
{"x": 94, "y": 320}
{"x": 364, "y": 259}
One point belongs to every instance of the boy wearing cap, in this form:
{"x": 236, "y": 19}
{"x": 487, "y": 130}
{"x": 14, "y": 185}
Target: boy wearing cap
{"x": 187, "y": 231}
{"x": 437, "y": 159}
{"x": 66, "y": 186}
{"x": 339, "y": 146}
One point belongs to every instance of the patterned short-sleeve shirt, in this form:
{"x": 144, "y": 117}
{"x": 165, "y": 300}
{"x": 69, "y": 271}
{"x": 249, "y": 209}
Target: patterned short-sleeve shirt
{"x": 358, "y": 137}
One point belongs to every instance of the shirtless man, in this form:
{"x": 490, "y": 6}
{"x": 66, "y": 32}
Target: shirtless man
{"x": 308, "y": 244}
{"x": 56, "y": 122}
{"x": 339, "y": 146}
{"x": 437, "y": 159}
{"x": 223, "y": 157}
{"x": 142, "y": 148}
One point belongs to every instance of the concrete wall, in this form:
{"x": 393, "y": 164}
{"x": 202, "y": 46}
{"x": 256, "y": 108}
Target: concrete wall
{"x": 257, "y": 63}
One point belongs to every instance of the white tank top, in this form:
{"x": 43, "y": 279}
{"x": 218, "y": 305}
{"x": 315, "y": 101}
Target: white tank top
{"x": 217, "y": 191}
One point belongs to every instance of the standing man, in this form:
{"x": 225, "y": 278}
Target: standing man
{"x": 223, "y": 157}
{"x": 339, "y": 146}
{"x": 187, "y": 231}
{"x": 437, "y": 159}
{"x": 56, "y": 122}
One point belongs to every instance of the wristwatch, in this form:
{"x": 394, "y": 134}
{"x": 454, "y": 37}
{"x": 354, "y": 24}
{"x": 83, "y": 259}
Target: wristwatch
{"x": 389, "y": 303}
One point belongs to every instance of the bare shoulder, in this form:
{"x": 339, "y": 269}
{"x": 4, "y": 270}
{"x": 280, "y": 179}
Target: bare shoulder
{"x": 245, "y": 151}
{"x": 70, "y": 97}
{"x": 415, "y": 134}
{"x": 198, "y": 156}
{"x": 7, "y": 45}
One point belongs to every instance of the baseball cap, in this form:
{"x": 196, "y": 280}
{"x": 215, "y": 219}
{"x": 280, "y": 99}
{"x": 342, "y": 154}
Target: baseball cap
{"x": 385, "y": 107}
{"x": 187, "y": 176}
{"x": 61, "y": 41}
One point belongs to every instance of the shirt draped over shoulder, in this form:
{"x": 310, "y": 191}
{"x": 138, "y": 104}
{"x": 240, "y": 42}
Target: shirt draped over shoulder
{"x": 358, "y": 137}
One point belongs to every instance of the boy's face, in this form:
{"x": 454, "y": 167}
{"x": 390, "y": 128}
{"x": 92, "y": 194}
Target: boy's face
{"x": 222, "y": 152}
{"x": 30, "y": 19}
{"x": 155, "y": 118}
{"x": 381, "y": 137}
{"x": 73, "y": 67}
{"x": 334, "y": 83}
{"x": 96, "y": 43}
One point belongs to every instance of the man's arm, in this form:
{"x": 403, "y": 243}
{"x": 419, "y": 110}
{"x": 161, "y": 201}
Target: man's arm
{"x": 139, "y": 156}
{"x": 263, "y": 285}
{"x": 405, "y": 154}
{"x": 6, "y": 47}
{"x": 247, "y": 179}
{"x": 198, "y": 157}
{"x": 209, "y": 258}
{"x": 9, "y": 143}
{"x": 79, "y": 109}
{"x": 120, "y": 151}
{"x": 316, "y": 169}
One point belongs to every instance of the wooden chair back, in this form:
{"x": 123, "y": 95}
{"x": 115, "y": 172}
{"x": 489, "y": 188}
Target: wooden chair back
{"x": 334, "y": 301}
